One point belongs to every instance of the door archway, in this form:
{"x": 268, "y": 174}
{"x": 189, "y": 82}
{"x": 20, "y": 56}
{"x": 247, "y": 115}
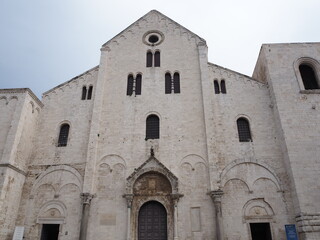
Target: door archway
{"x": 152, "y": 222}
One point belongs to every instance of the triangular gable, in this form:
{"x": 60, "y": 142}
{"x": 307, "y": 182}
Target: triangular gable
{"x": 96, "y": 68}
{"x": 152, "y": 165}
{"x": 236, "y": 73}
{"x": 146, "y": 16}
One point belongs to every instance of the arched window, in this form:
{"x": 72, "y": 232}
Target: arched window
{"x": 168, "y": 83}
{"x": 176, "y": 82}
{"x": 216, "y": 87}
{"x": 223, "y": 87}
{"x": 130, "y": 85}
{"x": 157, "y": 59}
{"x": 308, "y": 77}
{"x": 63, "y": 135}
{"x": 84, "y": 93}
{"x": 152, "y": 127}
{"x": 138, "y": 84}
{"x": 149, "y": 59}
{"x": 244, "y": 130}
{"x": 90, "y": 92}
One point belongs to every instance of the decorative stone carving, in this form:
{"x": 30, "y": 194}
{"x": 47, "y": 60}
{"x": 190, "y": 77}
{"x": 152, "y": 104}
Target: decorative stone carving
{"x": 86, "y": 198}
{"x": 129, "y": 198}
{"x": 216, "y": 195}
{"x": 152, "y": 181}
{"x": 152, "y": 165}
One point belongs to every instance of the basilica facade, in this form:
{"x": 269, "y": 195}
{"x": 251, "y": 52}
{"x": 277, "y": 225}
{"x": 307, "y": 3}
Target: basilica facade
{"x": 157, "y": 143}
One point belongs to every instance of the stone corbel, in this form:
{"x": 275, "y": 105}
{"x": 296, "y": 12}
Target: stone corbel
{"x": 216, "y": 195}
{"x": 176, "y": 197}
{"x": 129, "y": 198}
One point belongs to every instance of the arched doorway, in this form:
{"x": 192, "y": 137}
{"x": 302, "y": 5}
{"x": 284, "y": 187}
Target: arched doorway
{"x": 152, "y": 183}
{"x": 152, "y": 222}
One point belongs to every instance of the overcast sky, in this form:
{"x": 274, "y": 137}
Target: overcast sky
{"x": 47, "y": 42}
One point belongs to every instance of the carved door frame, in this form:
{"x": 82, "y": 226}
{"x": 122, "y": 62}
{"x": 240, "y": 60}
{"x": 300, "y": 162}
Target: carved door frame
{"x": 152, "y": 165}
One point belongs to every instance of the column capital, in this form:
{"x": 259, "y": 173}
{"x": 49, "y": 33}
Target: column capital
{"x": 129, "y": 198}
{"x": 216, "y": 195}
{"x": 86, "y": 198}
{"x": 176, "y": 197}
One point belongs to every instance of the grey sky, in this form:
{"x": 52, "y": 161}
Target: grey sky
{"x": 45, "y": 43}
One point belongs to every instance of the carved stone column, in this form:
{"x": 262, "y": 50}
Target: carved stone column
{"x": 129, "y": 198}
{"x": 176, "y": 197}
{"x": 86, "y": 200}
{"x": 216, "y": 198}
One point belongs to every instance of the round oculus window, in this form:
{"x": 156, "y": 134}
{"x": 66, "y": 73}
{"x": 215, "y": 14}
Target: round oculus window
{"x": 153, "y": 38}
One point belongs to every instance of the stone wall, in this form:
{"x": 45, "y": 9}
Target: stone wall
{"x": 297, "y": 116}
{"x": 269, "y": 179}
{"x": 18, "y": 123}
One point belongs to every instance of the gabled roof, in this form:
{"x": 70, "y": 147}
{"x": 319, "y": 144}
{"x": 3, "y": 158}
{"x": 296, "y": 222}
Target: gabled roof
{"x": 234, "y": 72}
{"x": 145, "y": 16}
{"x": 22, "y": 90}
{"x": 72, "y": 79}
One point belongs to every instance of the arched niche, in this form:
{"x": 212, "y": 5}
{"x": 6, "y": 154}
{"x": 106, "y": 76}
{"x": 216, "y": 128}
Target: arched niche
{"x": 52, "y": 212}
{"x": 249, "y": 172}
{"x": 257, "y": 210}
{"x": 58, "y": 176}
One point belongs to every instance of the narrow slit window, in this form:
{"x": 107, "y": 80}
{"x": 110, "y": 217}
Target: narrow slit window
{"x": 176, "y": 82}
{"x": 244, "y": 130}
{"x": 168, "y": 83}
{"x": 149, "y": 59}
{"x": 223, "y": 87}
{"x": 152, "y": 127}
{"x": 90, "y": 92}
{"x": 216, "y": 87}
{"x": 63, "y": 135}
{"x": 308, "y": 77}
{"x": 157, "y": 59}
{"x": 84, "y": 93}
{"x": 138, "y": 84}
{"x": 130, "y": 85}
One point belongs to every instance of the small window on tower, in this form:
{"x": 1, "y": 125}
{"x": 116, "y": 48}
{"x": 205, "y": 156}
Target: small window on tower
{"x": 149, "y": 59}
{"x": 308, "y": 77}
{"x": 152, "y": 127}
{"x": 130, "y": 85}
{"x": 223, "y": 87}
{"x": 216, "y": 87}
{"x": 168, "y": 83}
{"x": 157, "y": 59}
{"x": 63, "y": 135}
{"x": 138, "y": 84}
{"x": 84, "y": 93}
{"x": 244, "y": 130}
{"x": 90, "y": 92}
{"x": 176, "y": 82}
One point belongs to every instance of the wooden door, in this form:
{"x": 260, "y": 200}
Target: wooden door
{"x": 152, "y": 222}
